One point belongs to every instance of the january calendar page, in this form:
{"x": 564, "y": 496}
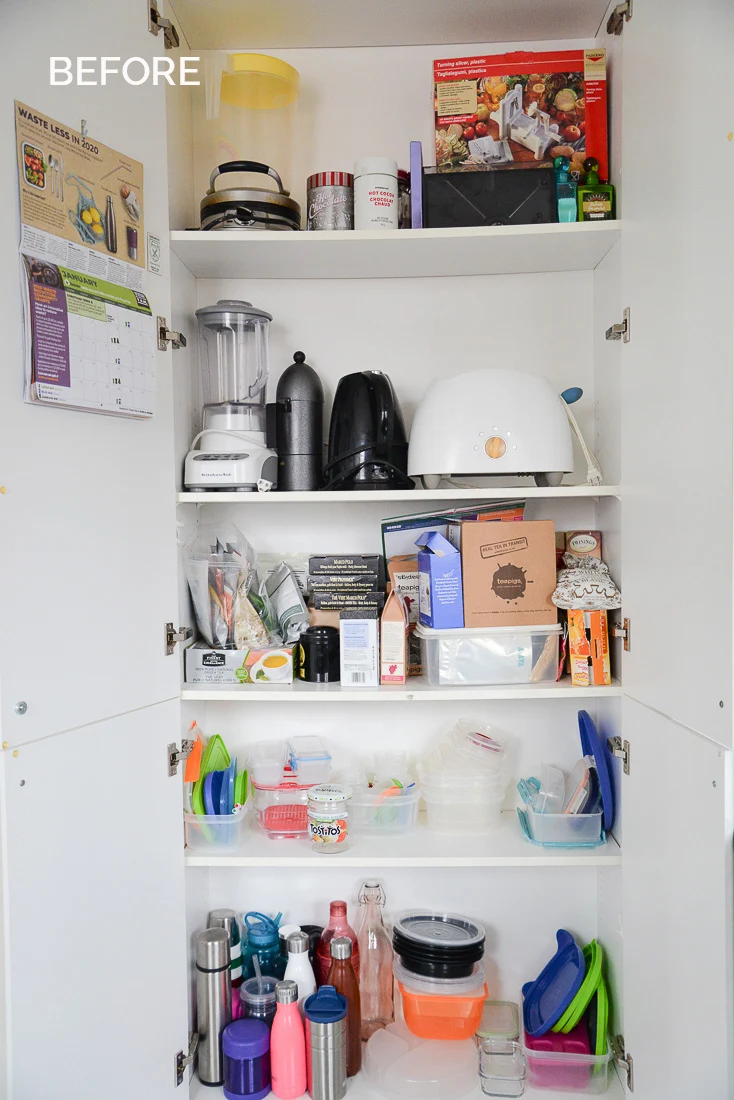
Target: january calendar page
{"x": 92, "y": 343}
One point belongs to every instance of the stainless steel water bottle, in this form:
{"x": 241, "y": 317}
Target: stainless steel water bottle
{"x": 325, "y": 1016}
{"x": 213, "y": 1001}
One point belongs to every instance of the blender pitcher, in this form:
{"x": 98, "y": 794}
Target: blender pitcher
{"x": 231, "y": 451}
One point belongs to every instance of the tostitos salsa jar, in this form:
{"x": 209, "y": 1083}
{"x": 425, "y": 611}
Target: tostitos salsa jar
{"x": 328, "y": 818}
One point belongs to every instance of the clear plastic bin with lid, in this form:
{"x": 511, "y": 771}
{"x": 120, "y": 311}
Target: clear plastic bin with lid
{"x": 247, "y": 110}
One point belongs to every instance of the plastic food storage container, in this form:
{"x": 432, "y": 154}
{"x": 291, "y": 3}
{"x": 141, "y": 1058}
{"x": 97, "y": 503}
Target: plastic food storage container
{"x": 449, "y": 1008}
{"x": 462, "y": 817}
{"x": 564, "y": 828}
{"x": 248, "y": 112}
{"x": 310, "y": 758}
{"x": 267, "y": 760}
{"x": 399, "y": 1065}
{"x": 214, "y": 830}
{"x": 384, "y": 812}
{"x": 500, "y": 1020}
{"x": 282, "y": 810}
{"x": 554, "y": 1062}
{"x": 501, "y": 1067}
{"x": 492, "y": 655}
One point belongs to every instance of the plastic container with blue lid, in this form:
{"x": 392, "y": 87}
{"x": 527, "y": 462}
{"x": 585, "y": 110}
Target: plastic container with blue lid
{"x": 246, "y": 1055}
{"x": 547, "y": 998}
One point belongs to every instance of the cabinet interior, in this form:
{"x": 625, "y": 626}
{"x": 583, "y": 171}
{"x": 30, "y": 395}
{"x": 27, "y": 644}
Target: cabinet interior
{"x": 356, "y": 101}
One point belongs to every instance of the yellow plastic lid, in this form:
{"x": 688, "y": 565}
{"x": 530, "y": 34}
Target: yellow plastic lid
{"x": 257, "y": 81}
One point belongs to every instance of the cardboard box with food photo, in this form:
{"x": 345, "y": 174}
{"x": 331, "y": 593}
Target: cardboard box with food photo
{"x": 521, "y": 110}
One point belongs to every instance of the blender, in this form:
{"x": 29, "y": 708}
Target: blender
{"x": 231, "y": 451}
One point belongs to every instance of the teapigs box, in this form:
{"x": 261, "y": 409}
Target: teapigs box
{"x": 509, "y": 576}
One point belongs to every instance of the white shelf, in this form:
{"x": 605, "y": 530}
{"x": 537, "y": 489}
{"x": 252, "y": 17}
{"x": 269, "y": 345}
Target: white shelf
{"x": 505, "y": 847}
{"x": 416, "y": 496}
{"x": 358, "y": 1089}
{"x": 394, "y": 253}
{"x": 281, "y": 24}
{"x": 417, "y": 690}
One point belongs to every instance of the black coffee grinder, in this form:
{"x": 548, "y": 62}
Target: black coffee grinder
{"x": 299, "y": 418}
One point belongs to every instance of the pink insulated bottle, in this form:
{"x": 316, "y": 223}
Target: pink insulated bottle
{"x": 287, "y": 1045}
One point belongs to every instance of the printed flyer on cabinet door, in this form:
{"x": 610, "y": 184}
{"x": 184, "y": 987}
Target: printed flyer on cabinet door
{"x": 90, "y": 333}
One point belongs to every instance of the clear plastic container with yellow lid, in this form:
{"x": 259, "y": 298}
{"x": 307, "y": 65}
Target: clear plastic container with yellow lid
{"x": 247, "y": 111}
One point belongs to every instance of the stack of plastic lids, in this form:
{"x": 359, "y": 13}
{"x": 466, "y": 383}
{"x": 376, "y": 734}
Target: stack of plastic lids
{"x": 463, "y": 780}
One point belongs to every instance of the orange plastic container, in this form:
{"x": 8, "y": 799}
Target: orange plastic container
{"x": 437, "y": 1016}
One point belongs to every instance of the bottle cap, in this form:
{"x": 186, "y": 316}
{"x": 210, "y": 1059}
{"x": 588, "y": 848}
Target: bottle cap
{"x": 212, "y": 949}
{"x": 223, "y": 918}
{"x": 286, "y": 993}
{"x": 341, "y": 947}
{"x": 326, "y": 1006}
{"x": 298, "y": 943}
{"x": 383, "y": 166}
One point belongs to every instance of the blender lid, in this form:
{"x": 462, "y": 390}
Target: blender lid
{"x": 232, "y": 305}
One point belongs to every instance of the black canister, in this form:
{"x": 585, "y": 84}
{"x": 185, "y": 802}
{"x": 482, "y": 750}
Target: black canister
{"x": 317, "y": 655}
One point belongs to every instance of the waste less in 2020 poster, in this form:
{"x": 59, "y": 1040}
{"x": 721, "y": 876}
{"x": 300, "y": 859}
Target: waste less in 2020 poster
{"x": 90, "y": 331}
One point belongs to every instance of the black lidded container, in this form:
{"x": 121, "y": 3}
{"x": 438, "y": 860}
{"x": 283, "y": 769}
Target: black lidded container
{"x": 513, "y": 196}
{"x": 368, "y": 445}
{"x": 317, "y": 655}
{"x": 299, "y": 427}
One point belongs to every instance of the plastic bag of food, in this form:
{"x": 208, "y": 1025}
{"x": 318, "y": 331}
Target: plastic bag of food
{"x": 221, "y": 573}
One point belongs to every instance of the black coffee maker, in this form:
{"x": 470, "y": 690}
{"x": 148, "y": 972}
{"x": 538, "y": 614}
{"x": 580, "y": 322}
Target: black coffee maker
{"x": 368, "y": 446}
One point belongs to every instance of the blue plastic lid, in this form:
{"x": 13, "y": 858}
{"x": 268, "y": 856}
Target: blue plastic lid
{"x": 326, "y": 1006}
{"x": 548, "y": 997}
{"x": 243, "y": 1039}
{"x": 592, "y": 745}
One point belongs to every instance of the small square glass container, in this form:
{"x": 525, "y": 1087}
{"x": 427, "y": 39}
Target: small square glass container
{"x": 501, "y": 1067}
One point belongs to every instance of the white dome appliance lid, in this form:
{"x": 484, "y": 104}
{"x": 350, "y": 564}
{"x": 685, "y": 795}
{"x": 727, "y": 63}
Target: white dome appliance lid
{"x": 487, "y": 422}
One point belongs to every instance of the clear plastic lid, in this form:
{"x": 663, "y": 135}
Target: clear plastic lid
{"x": 433, "y": 928}
{"x": 440, "y": 987}
{"x": 485, "y": 631}
{"x": 308, "y": 747}
{"x": 500, "y": 1020}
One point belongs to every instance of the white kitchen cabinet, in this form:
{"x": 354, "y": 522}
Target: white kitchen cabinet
{"x": 97, "y": 894}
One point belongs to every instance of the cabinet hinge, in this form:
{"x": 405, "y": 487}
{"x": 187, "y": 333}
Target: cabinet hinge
{"x": 620, "y": 332}
{"x": 624, "y": 1061}
{"x": 177, "y": 755}
{"x": 156, "y": 24}
{"x": 621, "y": 15}
{"x": 172, "y": 636}
{"x": 621, "y": 750}
{"x": 183, "y": 1060}
{"x": 622, "y": 631}
{"x": 167, "y": 336}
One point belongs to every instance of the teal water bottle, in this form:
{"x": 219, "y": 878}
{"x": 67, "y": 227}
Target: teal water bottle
{"x": 261, "y": 939}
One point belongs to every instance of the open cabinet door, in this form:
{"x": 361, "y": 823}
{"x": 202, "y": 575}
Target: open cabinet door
{"x": 94, "y": 976}
{"x": 677, "y": 885}
{"x": 678, "y": 367}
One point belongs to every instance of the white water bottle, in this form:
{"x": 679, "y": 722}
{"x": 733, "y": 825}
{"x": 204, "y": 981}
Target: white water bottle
{"x": 298, "y": 968}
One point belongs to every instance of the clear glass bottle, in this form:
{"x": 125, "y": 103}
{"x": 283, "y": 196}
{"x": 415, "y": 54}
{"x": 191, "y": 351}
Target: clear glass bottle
{"x": 338, "y": 926}
{"x": 341, "y": 975}
{"x": 376, "y": 959}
